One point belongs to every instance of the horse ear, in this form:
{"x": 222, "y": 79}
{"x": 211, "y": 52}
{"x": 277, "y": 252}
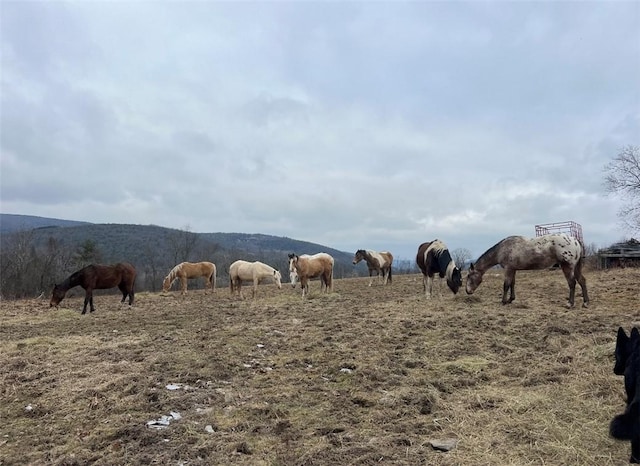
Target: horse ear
{"x": 635, "y": 334}
{"x": 471, "y": 267}
{"x": 621, "y": 334}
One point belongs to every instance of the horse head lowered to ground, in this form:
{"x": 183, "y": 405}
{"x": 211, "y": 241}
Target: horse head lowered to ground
{"x": 187, "y": 270}
{"x": 519, "y": 253}
{"x": 97, "y": 277}
{"x": 433, "y": 257}
{"x": 378, "y": 262}
{"x": 306, "y": 267}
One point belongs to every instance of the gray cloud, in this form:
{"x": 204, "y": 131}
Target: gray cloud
{"x": 352, "y": 125}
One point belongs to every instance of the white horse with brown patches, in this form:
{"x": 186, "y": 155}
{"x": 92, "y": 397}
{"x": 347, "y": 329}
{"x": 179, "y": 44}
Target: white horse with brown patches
{"x": 434, "y": 258}
{"x": 256, "y": 272}
{"x": 378, "y": 262}
{"x": 187, "y": 270}
{"x": 519, "y": 253}
{"x": 306, "y": 267}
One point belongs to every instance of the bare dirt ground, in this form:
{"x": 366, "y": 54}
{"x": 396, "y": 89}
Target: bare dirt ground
{"x": 360, "y": 376}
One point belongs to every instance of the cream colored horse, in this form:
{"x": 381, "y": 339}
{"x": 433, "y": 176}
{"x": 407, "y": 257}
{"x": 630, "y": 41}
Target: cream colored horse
{"x": 257, "y": 271}
{"x": 187, "y": 270}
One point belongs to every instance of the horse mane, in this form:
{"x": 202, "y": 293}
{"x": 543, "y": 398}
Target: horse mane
{"x": 67, "y": 283}
{"x": 491, "y": 252}
{"x": 174, "y": 272}
{"x": 73, "y": 280}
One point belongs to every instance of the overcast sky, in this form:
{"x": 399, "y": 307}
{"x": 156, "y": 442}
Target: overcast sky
{"x": 375, "y": 125}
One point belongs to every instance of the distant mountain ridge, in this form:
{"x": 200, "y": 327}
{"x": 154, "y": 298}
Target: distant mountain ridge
{"x": 13, "y": 222}
{"x": 138, "y": 243}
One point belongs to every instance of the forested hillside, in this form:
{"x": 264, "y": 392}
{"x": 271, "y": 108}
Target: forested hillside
{"x": 35, "y": 252}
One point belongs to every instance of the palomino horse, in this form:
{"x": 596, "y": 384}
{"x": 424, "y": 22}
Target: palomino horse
{"x": 256, "y": 271}
{"x": 520, "y": 253}
{"x": 434, "y": 257}
{"x": 305, "y": 267}
{"x": 187, "y": 270}
{"x": 626, "y": 426}
{"x": 97, "y": 277}
{"x": 378, "y": 262}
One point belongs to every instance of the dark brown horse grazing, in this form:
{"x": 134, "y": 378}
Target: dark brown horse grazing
{"x": 434, "y": 257}
{"x": 97, "y": 277}
{"x": 519, "y": 253}
{"x": 378, "y": 262}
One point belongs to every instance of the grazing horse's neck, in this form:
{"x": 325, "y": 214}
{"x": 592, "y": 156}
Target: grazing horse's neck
{"x": 487, "y": 260}
{"x": 71, "y": 281}
{"x": 444, "y": 259}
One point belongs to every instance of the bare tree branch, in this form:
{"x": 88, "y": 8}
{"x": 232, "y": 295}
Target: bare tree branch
{"x": 623, "y": 178}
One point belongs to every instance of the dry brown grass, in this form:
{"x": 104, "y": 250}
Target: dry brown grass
{"x": 361, "y": 376}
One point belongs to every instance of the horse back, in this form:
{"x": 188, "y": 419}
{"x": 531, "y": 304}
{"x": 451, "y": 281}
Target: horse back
{"x": 314, "y": 266}
{"x": 388, "y": 257}
{"x": 384, "y": 258}
{"x": 544, "y": 251}
{"x": 109, "y": 276}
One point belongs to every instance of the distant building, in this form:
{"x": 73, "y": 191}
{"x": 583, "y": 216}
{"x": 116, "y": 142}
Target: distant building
{"x": 624, "y": 254}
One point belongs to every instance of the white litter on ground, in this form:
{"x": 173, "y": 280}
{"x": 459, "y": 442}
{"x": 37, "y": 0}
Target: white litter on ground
{"x": 164, "y": 421}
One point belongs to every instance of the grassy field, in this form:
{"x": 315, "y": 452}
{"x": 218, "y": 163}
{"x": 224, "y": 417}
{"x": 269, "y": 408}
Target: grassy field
{"x": 360, "y": 376}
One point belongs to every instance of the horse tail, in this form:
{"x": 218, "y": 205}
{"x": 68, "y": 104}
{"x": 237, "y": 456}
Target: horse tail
{"x": 389, "y": 277}
{"x": 332, "y": 264}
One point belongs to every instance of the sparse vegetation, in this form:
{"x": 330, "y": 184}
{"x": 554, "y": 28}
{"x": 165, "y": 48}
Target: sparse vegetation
{"x": 360, "y": 376}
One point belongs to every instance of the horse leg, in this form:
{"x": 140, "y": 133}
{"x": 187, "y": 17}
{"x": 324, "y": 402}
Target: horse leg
{"x": 370, "y": 277}
{"x": 571, "y": 281}
{"x": 583, "y": 285}
{"x": 429, "y": 286}
{"x": 183, "y": 285}
{"x": 124, "y": 291}
{"x": 508, "y": 286}
{"x": 88, "y": 297}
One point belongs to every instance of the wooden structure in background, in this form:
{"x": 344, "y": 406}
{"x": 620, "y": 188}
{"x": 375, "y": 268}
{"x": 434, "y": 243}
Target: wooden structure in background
{"x": 623, "y": 254}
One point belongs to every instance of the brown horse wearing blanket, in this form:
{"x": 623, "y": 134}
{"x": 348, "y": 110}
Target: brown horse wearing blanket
{"x": 520, "y": 253}
{"x": 256, "y": 271}
{"x": 97, "y": 277}
{"x": 305, "y": 267}
{"x": 378, "y": 262}
{"x": 187, "y": 270}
